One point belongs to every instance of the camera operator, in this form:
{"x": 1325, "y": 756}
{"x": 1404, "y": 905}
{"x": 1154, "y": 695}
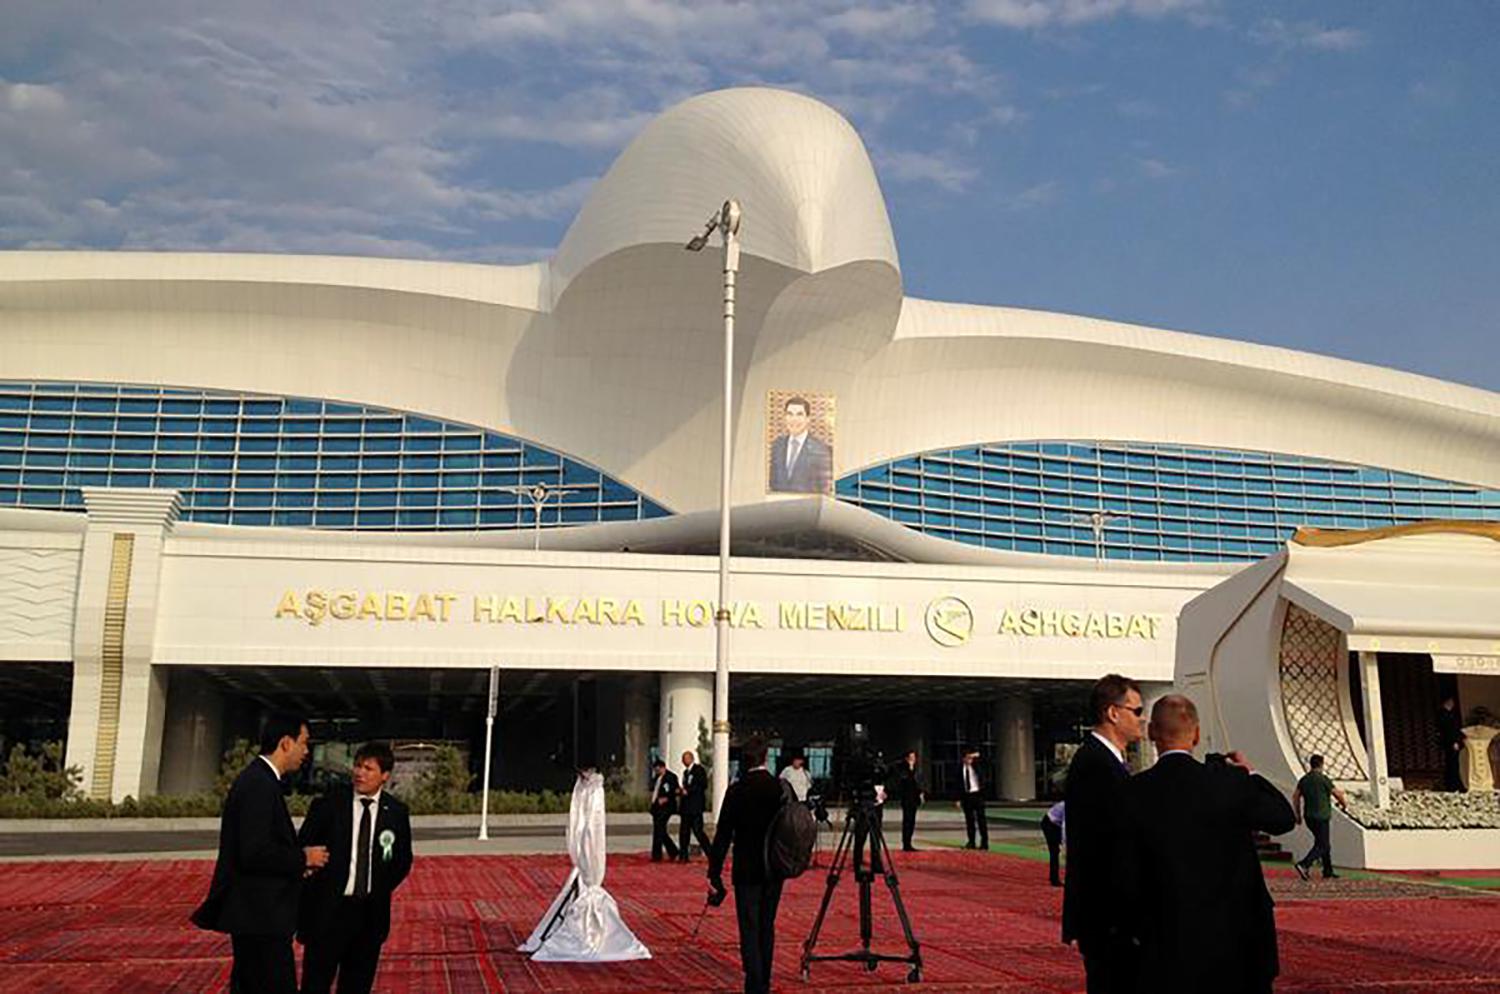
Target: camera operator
{"x": 749, "y": 805}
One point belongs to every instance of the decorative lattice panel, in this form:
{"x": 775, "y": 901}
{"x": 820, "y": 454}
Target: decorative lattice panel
{"x": 1310, "y": 695}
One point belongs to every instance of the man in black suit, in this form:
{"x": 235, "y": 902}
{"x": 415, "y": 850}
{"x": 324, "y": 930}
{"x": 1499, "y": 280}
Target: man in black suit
{"x": 663, "y": 807}
{"x": 907, "y": 780}
{"x": 1450, "y": 732}
{"x": 1098, "y": 888}
{"x": 346, "y": 908}
{"x": 800, "y": 461}
{"x": 1206, "y": 922}
{"x": 694, "y": 799}
{"x": 971, "y": 800}
{"x": 749, "y": 805}
{"x": 254, "y": 892}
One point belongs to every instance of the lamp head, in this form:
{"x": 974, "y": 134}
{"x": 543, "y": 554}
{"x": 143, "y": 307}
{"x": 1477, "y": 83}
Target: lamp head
{"x": 729, "y": 217}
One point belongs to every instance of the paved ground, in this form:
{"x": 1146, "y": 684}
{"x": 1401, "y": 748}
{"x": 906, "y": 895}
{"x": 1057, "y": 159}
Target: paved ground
{"x": 987, "y": 922}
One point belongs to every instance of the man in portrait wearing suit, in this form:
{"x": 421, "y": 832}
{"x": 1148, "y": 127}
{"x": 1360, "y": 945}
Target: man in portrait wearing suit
{"x": 1098, "y": 890}
{"x": 1206, "y": 921}
{"x": 663, "y": 807}
{"x": 346, "y": 907}
{"x": 800, "y": 462}
{"x": 907, "y": 779}
{"x": 971, "y": 800}
{"x": 694, "y": 799}
{"x": 258, "y": 874}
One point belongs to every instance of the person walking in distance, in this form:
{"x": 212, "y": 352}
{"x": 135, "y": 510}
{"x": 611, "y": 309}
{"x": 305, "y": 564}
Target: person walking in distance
{"x": 346, "y": 907}
{"x": 971, "y": 800}
{"x": 749, "y": 805}
{"x": 258, "y": 874}
{"x": 663, "y": 807}
{"x": 1052, "y": 831}
{"x": 1312, "y": 802}
{"x": 693, "y": 796}
{"x": 1205, "y": 919}
{"x": 907, "y": 779}
{"x": 1097, "y": 894}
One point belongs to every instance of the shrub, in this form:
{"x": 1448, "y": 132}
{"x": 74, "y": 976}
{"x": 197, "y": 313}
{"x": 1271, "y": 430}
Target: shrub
{"x": 39, "y": 774}
{"x": 234, "y": 761}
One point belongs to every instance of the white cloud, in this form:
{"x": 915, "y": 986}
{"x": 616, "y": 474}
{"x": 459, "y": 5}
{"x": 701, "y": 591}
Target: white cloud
{"x": 1155, "y": 168}
{"x": 1306, "y": 35}
{"x": 937, "y": 168}
{"x": 1033, "y": 14}
{"x": 1033, "y": 197}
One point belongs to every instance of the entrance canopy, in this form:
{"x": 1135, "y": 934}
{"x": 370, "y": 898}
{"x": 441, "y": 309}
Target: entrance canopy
{"x": 1267, "y": 654}
{"x": 1432, "y": 587}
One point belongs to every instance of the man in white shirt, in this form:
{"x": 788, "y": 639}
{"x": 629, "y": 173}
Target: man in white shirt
{"x": 971, "y": 800}
{"x": 796, "y": 774}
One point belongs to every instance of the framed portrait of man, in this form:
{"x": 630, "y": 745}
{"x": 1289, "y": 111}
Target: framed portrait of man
{"x": 799, "y": 442}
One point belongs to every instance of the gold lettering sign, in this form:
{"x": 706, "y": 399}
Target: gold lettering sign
{"x": 1033, "y": 622}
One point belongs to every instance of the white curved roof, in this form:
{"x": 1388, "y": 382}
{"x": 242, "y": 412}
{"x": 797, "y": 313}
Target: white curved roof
{"x": 798, "y": 168}
{"x": 610, "y": 351}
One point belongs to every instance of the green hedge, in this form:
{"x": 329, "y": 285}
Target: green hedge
{"x": 207, "y": 805}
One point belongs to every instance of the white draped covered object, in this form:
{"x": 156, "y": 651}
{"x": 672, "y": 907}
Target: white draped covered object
{"x": 583, "y": 924}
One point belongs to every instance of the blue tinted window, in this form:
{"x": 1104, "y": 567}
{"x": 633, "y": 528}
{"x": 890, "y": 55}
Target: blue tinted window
{"x": 1203, "y": 505}
{"x": 156, "y": 437}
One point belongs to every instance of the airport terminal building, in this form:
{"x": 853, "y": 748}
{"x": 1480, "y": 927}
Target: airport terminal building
{"x": 352, "y": 486}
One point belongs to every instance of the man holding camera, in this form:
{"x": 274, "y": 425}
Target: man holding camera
{"x": 749, "y": 805}
{"x": 1207, "y": 923}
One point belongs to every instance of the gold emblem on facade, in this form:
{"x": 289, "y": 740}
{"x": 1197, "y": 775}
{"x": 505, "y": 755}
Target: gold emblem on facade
{"x": 949, "y": 622}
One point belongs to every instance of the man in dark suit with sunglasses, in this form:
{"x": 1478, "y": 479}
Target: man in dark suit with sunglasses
{"x": 1099, "y": 890}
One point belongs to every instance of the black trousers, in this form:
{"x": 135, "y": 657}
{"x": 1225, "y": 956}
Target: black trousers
{"x": 1451, "y": 779}
{"x": 1321, "y": 849}
{"x": 1111, "y": 965}
{"x": 660, "y": 839}
{"x": 974, "y": 820}
{"x": 690, "y": 826}
{"x": 755, "y": 907}
{"x": 908, "y": 825}
{"x": 263, "y": 964}
{"x": 348, "y": 949}
{"x": 862, "y": 838}
{"x": 1052, "y": 832}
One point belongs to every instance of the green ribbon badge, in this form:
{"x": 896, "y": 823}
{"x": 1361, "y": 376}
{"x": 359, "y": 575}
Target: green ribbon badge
{"x": 387, "y": 842}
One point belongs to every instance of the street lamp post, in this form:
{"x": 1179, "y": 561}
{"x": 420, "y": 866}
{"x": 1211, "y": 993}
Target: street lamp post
{"x": 1096, "y": 520}
{"x": 538, "y": 494}
{"x": 727, "y": 222}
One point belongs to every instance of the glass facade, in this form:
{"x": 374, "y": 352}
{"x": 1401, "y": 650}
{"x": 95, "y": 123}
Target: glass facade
{"x": 1157, "y": 502}
{"x": 254, "y": 460}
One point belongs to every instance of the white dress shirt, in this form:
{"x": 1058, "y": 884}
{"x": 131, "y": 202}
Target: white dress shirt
{"x": 794, "y": 447}
{"x": 267, "y": 761}
{"x": 800, "y": 780}
{"x": 971, "y": 779}
{"x": 1110, "y": 746}
{"x": 358, "y": 811}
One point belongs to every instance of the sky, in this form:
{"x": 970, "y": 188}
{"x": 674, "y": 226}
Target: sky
{"x": 1321, "y": 176}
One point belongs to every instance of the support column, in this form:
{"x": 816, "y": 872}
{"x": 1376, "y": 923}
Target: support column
{"x": 119, "y": 697}
{"x": 1015, "y": 746}
{"x": 192, "y": 734}
{"x": 687, "y": 708}
{"x": 1369, "y": 689}
{"x": 636, "y": 708}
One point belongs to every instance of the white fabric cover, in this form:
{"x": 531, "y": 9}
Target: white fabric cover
{"x": 590, "y": 929}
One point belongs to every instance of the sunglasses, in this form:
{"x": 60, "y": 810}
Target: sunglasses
{"x": 1137, "y": 711}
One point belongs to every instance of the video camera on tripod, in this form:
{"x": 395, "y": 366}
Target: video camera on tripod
{"x": 859, "y": 771}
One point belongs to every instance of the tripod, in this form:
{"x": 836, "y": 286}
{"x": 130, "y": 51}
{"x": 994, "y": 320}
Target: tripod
{"x": 861, "y": 823}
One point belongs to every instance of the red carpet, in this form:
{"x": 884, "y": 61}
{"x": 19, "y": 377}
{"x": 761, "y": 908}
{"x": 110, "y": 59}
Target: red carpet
{"x": 987, "y": 923}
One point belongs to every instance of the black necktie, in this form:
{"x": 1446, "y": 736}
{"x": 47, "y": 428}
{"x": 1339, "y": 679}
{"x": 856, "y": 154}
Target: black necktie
{"x": 362, "y": 859}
